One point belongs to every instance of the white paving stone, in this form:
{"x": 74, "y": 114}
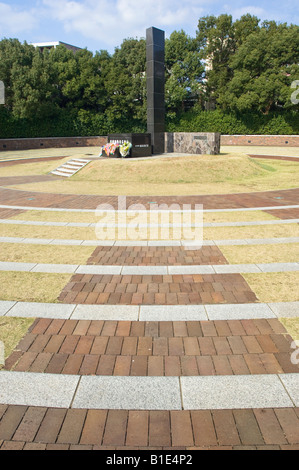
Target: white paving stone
{"x": 10, "y": 266}
{"x": 106, "y": 312}
{"x": 200, "y": 269}
{"x": 291, "y": 383}
{"x": 238, "y": 311}
{"x": 129, "y": 393}
{"x": 144, "y": 270}
{"x": 95, "y": 269}
{"x": 98, "y": 243}
{"x": 237, "y": 268}
{"x": 172, "y": 313}
{"x": 55, "y": 268}
{"x": 36, "y": 241}
{"x": 66, "y": 242}
{"x": 5, "y": 306}
{"x": 41, "y": 310}
{"x": 236, "y": 242}
{"x": 34, "y": 389}
{"x": 234, "y": 392}
{"x": 278, "y": 267}
{"x": 285, "y": 309}
{"x": 231, "y": 242}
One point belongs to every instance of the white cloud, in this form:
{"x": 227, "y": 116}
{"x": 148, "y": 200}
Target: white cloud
{"x": 14, "y": 20}
{"x": 112, "y": 21}
{"x": 251, "y": 9}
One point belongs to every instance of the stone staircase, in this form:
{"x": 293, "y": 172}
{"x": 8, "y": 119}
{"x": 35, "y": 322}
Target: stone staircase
{"x": 70, "y": 168}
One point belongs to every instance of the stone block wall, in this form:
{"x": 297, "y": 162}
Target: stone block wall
{"x": 261, "y": 140}
{"x": 197, "y": 143}
{"x": 51, "y": 142}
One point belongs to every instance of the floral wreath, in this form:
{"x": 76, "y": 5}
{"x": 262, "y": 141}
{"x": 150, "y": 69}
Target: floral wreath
{"x": 110, "y": 149}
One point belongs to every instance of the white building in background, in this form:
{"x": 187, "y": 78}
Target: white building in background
{"x": 54, "y": 44}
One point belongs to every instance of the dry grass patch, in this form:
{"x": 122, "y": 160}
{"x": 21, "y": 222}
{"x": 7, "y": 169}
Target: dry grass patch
{"x": 59, "y": 216}
{"x": 29, "y": 169}
{"x": 33, "y": 231}
{"x": 32, "y": 287}
{"x": 292, "y": 326}
{"x": 248, "y": 232}
{"x": 12, "y": 330}
{"x": 288, "y": 253}
{"x": 237, "y": 216}
{"x": 90, "y": 217}
{"x": 185, "y": 175}
{"x": 274, "y": 287}
{"x": 89, "y": 233}
{"x": 23, "y": 253}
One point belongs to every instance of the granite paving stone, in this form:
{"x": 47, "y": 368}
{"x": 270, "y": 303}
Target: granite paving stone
{"x": 144, "y": 393}
{"x": 236, "y": 391}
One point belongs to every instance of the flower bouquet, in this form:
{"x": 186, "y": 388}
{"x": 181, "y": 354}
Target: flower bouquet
{"x": 125, "y": 148}
{"x": 116, "y": 149}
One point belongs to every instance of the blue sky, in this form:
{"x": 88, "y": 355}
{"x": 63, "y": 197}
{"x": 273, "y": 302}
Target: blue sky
{"x": 103, "y": 24}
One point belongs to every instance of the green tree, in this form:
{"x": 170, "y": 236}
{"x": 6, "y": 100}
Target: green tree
{"x": 125, "y": 82}
{"x": 184, "y": 72}
{"x": 264, "y": 67}
{"x": 13, "y": 53}
{"x": 79, "y": 78}
{"x": 219, "y": 38}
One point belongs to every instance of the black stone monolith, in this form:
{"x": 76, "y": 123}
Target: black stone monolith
{"x": 155, "y": 69}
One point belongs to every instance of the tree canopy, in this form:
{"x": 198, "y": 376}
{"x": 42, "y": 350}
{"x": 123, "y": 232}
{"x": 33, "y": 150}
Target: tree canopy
{"x": 240, "y": 66}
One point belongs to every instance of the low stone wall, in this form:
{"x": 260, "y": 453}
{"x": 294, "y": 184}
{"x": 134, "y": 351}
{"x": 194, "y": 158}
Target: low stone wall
{"x": 179, "y": 142}
{"x": 261, "y": 140}
{"x": 52, "y": 142}
{"x": 197, "y": 143}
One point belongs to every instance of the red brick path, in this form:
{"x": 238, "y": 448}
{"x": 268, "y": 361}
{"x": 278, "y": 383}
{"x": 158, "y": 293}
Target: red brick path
{"x": 151, "y": 348}
{"x": 155, "y": 256}
{"x": 157, "y": 289}
{"x": 38, "y": 428}
{"x": 137, "y": 348}
{"x": 219, "y": 201}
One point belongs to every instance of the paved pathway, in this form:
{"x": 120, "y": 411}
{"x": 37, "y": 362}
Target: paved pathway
{"x": 194, "y": 362}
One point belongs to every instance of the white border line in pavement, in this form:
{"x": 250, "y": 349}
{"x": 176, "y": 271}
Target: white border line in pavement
{"x": 198, "y": 312}
{"x": 147, "y": 270}
{"x": 149, "y": 393}
{"x": 55, "y": 209}
{"x": 149, "y": 225}
{"x": 129, "y": 243}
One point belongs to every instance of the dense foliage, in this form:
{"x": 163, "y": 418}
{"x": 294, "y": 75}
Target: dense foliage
{"x": 234, "y": 77}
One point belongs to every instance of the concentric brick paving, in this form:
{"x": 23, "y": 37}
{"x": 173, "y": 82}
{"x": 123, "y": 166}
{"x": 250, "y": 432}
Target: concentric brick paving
{"x": 220, "y": 201}
{"x": 156, "y": 256}
{"x": 285, "y": 213}
{"x": 8, "y": 213}
{"x": 38, "y": 428}
{"x": 154, "y": 348}
{"x": 157, "y": 289}
{"x": 137, "y": 348}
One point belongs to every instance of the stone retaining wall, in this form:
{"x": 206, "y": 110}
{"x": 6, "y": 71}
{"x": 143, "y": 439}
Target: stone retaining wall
{"x": 180, "y": 142}
{"x": 261, "y": 140}
{"x": 51, "y": 142}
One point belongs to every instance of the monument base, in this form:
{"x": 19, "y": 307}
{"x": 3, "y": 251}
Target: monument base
{"x": 141, "y": 143}
{"x": 196, "y": 143}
